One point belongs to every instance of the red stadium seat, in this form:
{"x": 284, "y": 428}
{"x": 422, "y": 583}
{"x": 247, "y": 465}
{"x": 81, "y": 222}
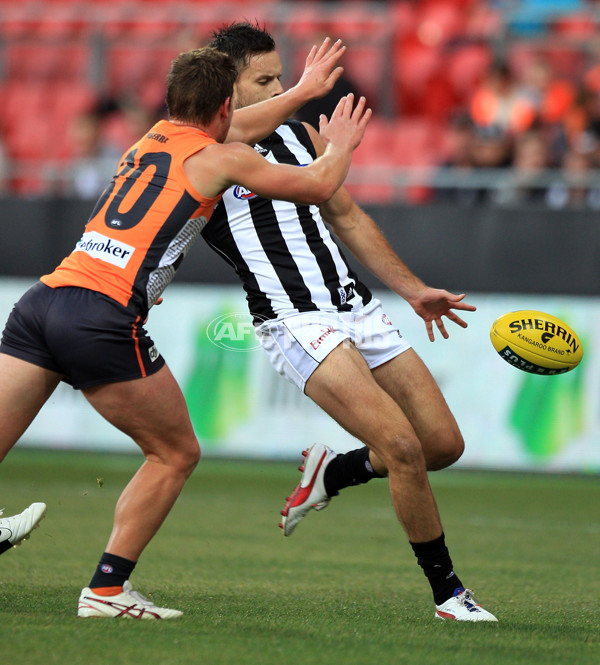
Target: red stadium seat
{"x": 374, "y": 147}
{"x": 439, "y": 21}
{"x": 367, "y": 68}
{"x": 69, "y": 101}
{"x": 130, "y": 69}
{"x": 27, "y": 128}
{"x": 45, "y": 61}
{"x": 391, "y": 144}
{"x": 309, "y": 21}
{"x": 403, "y": 18}
{"x": 575, "y": 26}
{"x": 415, "y": 142}
{"x": 36, "y": 117}
{"x": 466, "y": 67}
{"x": 415, "y": 65}
{"x": 358, "y": 22}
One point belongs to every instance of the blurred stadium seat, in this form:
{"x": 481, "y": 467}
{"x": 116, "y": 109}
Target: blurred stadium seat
{"x": 465, "y": 68}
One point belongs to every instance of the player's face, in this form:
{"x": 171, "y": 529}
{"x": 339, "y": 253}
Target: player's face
{"x": 259, "y": 81}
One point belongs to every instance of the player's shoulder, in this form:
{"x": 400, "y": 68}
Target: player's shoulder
{"x": 222, "y": 150}
{"x": 303, "y": 135}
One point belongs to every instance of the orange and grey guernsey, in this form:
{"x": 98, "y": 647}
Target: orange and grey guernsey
{"x": 143, "y": 224}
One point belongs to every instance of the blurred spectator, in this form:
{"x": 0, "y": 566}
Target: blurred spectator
{"x": 550, "y": 97}
{"x": 593, "y": 131}
{"x": 591, "y": 77}
{"x": 527, "y": 183}
{"x": 577, "y": 188}
{"x": 461, "y": 133}
{"x": 470, "y": 175}
{"x": 94, "y": 158}
{"x": 491, "y": 148}
{"x": 499, "y": 102}
{"x": 453, "y": 179}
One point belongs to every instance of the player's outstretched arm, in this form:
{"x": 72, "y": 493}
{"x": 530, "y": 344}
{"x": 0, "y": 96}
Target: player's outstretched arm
{"x": 253, "y": 123}
{"x": 218, "y": 166}
{"x": 368, "y": 244}
{"x": 364, "y": 239}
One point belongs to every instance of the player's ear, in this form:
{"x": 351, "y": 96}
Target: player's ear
{"x": 227, "y": 107}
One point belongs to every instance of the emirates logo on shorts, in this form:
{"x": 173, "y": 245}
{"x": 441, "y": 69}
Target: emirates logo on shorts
{"x": 325, "y": 332}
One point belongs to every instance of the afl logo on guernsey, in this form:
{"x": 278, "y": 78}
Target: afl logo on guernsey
{"x": 242, "y": 193}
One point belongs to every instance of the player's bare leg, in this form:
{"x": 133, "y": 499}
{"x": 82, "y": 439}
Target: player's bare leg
{"x": 408, "y": 381}
{"x": 153, "y": 412}
{"x": 344, "y": 387}
{"x": 24, "y": 388}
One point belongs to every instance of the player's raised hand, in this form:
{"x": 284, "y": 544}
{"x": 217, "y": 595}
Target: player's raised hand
{"x": 321, "y": 70}
{"x": 432, "y": 304}
{"x": 347, "y": 125}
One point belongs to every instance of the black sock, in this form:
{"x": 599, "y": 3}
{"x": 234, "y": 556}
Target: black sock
{"x": 348, "y": 469}
{"x": 434, "y": 559}
{"x": 112, "y": 570}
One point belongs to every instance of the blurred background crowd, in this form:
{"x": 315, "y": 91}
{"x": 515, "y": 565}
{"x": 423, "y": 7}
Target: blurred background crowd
{"x": 478, "y": 102}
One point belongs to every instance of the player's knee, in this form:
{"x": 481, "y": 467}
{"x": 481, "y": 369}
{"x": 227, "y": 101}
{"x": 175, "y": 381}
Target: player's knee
{"x": 455, "y": 449}
{"x": 186, "y": 458}
{"x": 448, "y": 449}
{"x": 192, "y": 456}
{"x": 401, "y": 451}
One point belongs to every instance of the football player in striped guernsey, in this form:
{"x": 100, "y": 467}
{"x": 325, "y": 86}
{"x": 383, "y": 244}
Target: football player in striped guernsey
{"x": 324, "y": 331}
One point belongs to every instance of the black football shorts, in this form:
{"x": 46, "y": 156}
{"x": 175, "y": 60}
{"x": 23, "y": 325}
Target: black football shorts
{"x": 84, "y": 335}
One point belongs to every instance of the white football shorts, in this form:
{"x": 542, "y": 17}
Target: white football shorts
{"x": 298, "y": 343}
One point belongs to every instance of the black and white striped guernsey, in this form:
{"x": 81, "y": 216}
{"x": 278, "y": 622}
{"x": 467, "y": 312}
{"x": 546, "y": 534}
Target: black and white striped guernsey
{"x": 283, "y": 252}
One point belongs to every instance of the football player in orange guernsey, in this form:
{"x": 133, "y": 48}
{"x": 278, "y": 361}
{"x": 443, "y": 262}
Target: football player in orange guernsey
{"x": 84, "y": 323}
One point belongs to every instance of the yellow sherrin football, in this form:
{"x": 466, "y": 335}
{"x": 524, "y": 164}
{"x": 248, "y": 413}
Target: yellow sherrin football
{"x": 536, "y": 342}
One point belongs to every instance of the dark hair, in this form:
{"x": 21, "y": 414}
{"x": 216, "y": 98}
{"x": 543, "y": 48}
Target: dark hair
{"x": 200, "y": 81}
{"x": 242, "y": 40}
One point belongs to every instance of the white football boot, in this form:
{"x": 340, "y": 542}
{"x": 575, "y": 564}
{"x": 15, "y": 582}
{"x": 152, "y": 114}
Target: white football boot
{"x": 17, "y": 528}
{"x": 310, "y": 493}
{"x": 463, "y": 606}
{"x": 128, "y": 604}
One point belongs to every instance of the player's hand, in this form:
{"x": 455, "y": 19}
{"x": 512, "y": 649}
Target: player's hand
{"x": 432, "y": 304}
{"x": 321, "y": 71}
{"x": 347, "y": 125}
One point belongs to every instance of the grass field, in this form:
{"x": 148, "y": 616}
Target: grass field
{"x": 343, "y": 590}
